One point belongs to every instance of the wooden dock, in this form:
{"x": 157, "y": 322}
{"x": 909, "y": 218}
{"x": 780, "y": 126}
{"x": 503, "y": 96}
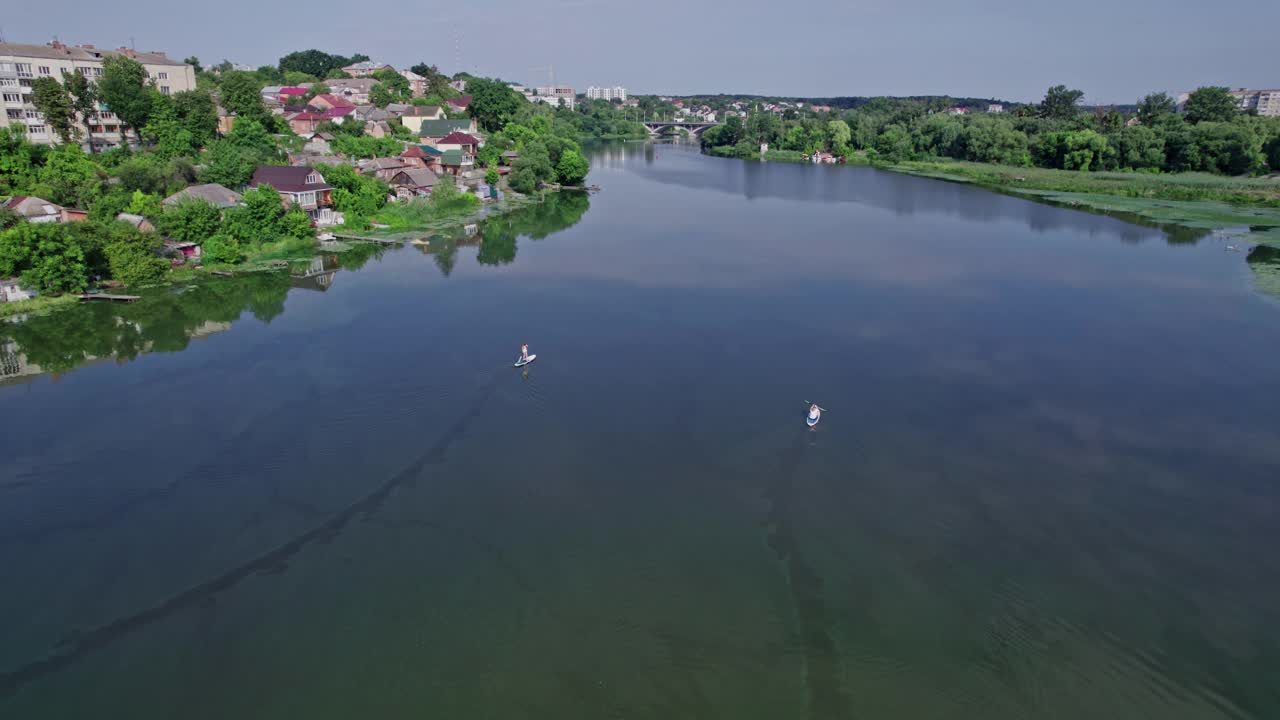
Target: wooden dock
{"x": 107, "y": 297}
{"x": 384, "y": 241}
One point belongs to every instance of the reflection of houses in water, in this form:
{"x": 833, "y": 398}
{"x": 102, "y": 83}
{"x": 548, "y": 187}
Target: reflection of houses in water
{"x": 318, "y": 275}
{"x": 13, "y": 363}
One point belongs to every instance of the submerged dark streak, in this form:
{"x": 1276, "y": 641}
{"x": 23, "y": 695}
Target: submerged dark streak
{"x": 78, "y": 645}
{"x": 826, "y": 700}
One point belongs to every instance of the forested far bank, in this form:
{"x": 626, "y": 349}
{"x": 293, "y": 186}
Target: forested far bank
{"x": 1208, "y": 134}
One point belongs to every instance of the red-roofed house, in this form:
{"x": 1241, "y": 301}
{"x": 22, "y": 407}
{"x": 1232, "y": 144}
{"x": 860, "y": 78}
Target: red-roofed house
{"x": 305, "y": 123}
{"x": 338, "y": 114}
{"x": 468, "y": 144}
{"x": 287, "y": 94}
{"x": 460, "y": 103}
{"x": 414, "y": 156}
{"x": 329, "y": 100}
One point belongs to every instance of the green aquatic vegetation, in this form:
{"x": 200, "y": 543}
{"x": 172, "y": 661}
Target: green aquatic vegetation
{"x": 1245, "y": 206}
{"x": 36, "y": 305}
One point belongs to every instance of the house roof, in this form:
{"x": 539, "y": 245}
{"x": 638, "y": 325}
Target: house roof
{"x": 384, "y": 163}
{"x": 335, "y": 100}
{"x": 423, "y": 111}
{"x": 306, "y": 115}
{"x": 410, "y": 75}
{"x": 287, "y": 178}
{"x": 358, "y": 84}
{"x": 451, "y": 157}
{"x": 430, "y": 150}
{"x": 134, "y": 220}
{"x": 511, "y": 154}
{"x": 212, "y": 193}
{"x": 459, "y": 138}
{"x": 413, "y": 151}
{"x": 398, "y": 108}
{"x": 31, "y": 206}
{"x": 366, "y": 66}
{"x": 292, "y": 91}
{"x": 440, "y": 128}
{"x": 460, "y": 102}
{"x": 87, "y": 53}
{"x": 414, "y": 177}
{"x": 335, "y": 112}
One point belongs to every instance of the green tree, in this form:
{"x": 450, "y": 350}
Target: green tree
{"x": 381, "y": 96}
{"x": 1210, "y": 104}
{"x": 894, "y": 144}
{"x": 394, "y": 82}
{"x": 1228, "y": 148}
{"x": 493, "y": 103}
{"x": 1060, "y": 103}
{"x": 839, "y": 135}
{"x": 572, "y": 168}
{"x": 296, "y": 224}
{"x": 312, "y": 62}
{"x": 198, "y": 115}
{"x": 84, "y": 101}
{"x": 164, "y": 131}
{"x": 257, "y": 220}
{"x": 1272, "y": 150}
{"x": 221, "y": 248}
{"x": 1154, "y": 107}
{"x": 70, "y": 177}
{"x": 194, "y": 62}
{"x": 191, "y": 220}
{"x": 54, "y": 102}
{"x": 294, "y": 78}
{"x": 992, "y": 140}
{"x": 144, "y": 204}
{"x": 491, "y": 176}
{"x": 1140, "y": 148}
{"x": 135, "y": 263}
{"x": 123, "y": 87}
{"x": 1074, "y": 150}
{"x": 46, "y": 256}
{"x": 241, "y": 93}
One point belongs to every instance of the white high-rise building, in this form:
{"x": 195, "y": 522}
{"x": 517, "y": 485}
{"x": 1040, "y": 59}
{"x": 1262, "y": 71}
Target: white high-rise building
{"x": 556, "y": 95}
{"x": 617, "y": 92}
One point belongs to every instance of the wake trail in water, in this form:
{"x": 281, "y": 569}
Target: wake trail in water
{"x": 826, "y": 699}
{"x": 80, "y": 644}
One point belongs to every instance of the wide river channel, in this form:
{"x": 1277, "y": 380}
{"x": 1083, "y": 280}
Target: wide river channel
{"x": 1046, "y": 484}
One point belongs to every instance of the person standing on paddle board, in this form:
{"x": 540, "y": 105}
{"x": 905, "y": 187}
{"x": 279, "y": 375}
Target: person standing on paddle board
{"x": 524, "y": 352}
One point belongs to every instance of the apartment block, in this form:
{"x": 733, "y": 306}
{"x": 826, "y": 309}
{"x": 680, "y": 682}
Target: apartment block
{"x": 21, "y": 64}
{"x": 607, "y": 93}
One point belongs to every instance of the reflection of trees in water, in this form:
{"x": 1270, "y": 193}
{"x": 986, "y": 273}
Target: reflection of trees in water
{"x": 497, "y": 235}
{"x": 161, "y": 322}
{"x": 1264, "y": 261}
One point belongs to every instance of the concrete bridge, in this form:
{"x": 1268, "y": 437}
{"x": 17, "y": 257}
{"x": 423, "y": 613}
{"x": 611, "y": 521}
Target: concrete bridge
{"x": 695, "y": 128}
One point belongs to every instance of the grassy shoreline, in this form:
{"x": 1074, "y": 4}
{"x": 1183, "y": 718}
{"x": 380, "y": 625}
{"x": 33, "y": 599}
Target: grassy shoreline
{"x": 37, "y": 305}
{"x": 1245, "y": 207}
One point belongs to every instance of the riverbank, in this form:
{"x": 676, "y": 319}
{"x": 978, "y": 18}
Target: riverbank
{"x": 36, "y": 305}
{"x": 1248, "y": 207}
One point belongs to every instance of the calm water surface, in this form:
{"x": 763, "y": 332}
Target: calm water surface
{"x": 1046, "y": 486}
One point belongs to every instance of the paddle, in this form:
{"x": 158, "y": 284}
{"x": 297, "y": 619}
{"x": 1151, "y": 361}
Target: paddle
{"x": 806, "y": 402}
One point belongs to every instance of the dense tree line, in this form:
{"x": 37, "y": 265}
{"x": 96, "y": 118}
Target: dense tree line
{"x": 1211, "y": 134}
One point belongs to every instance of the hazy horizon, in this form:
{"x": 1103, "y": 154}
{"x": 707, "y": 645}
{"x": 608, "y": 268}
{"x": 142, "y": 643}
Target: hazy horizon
{"x": 1114, "y": 52}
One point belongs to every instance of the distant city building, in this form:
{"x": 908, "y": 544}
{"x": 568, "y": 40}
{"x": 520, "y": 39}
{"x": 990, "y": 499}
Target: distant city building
{"x": 995, "y": 108}
{"x": 1265, "y": 102}
{"x": 365, "y": 68}
{"x": 21, "y": 64}
{"x": 556, "y": 95}
{"x": 459, "y": 85}
{"x": 617, "y": 92}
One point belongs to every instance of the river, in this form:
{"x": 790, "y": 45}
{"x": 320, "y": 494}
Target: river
{"x": 1046, "y": 484}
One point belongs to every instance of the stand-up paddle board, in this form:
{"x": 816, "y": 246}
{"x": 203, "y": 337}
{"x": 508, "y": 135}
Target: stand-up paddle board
{"x": 522, "y": 363}
{"x": 814, "y": 416}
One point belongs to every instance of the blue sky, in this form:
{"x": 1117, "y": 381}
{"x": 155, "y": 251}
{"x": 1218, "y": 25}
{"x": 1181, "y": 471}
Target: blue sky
{"x": 1114, "y": 50}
